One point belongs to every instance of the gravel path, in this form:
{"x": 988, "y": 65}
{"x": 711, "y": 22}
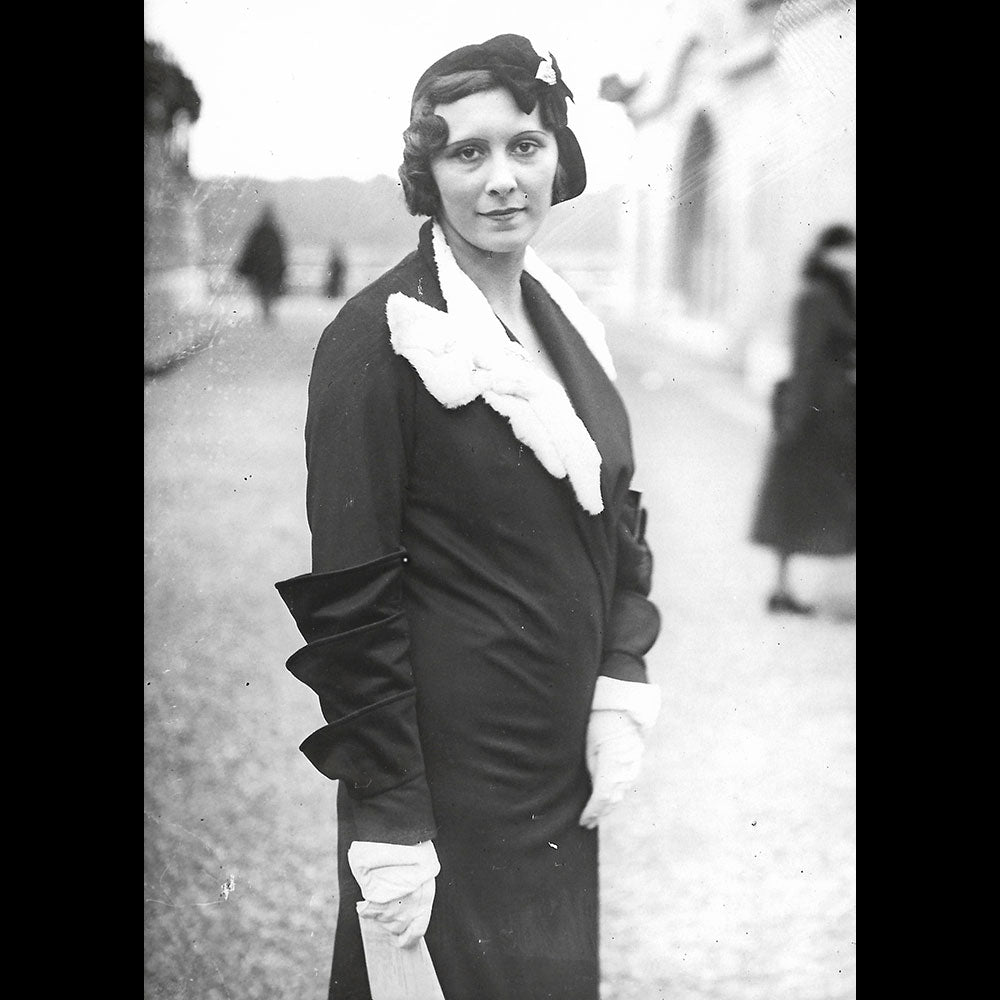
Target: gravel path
{"x": 729, "y": 874}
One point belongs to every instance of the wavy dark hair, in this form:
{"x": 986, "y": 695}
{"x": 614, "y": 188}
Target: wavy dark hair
{"x": 427, "y": 135}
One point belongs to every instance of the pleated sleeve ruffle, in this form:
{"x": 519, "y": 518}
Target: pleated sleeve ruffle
{"x": 356, "y": 660}
{"x": 634, "y": 622}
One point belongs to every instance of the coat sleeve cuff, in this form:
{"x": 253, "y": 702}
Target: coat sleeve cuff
{"x": 641, "y": 702}
{"x": 325, "y": 604}
{"x": 400, "y": 815}
{"x": 633, "y": 629}
{"x": 372, "y": 750}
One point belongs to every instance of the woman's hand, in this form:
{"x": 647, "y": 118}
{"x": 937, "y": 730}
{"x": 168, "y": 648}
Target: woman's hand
{"x": 398, "y": 885}
{"x": 614, "y": 757}
{"x": 406, "y": 918}
{"x": 621, "y": 716}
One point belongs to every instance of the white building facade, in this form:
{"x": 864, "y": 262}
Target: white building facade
{"x": 745, "y": 125}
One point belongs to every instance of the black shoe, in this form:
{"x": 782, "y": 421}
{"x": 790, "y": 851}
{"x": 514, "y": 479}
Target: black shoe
{"x": 786, "y": 603}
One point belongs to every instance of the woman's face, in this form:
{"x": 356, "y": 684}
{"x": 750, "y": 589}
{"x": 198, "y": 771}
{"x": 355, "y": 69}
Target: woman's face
{"x": 495, "y": 175}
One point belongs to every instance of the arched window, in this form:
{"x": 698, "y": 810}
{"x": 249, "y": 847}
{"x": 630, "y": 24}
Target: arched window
{"x": 696, "y": 238}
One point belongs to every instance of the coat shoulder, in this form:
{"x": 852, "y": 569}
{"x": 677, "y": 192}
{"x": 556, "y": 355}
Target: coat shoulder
{"x": 359, "y": 333}
{"x": 366, "y": 309}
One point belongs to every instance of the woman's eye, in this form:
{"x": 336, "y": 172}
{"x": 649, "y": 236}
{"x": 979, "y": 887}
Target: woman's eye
{"x": 526, "y": 146}
{"x": 467, "y": 154}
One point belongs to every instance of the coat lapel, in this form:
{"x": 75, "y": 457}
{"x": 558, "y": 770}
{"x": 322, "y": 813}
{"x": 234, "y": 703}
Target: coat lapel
{"x": 465, "y": 353}
{"x": 590, "y": 390}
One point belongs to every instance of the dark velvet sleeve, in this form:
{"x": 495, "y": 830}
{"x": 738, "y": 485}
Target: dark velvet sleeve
{"x": 349, "y": 608}
{"x": 635, "y": 621}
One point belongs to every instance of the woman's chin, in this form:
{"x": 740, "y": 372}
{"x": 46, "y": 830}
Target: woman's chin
{"x": 506, "y": 240}
{"x": 492, "y": 236}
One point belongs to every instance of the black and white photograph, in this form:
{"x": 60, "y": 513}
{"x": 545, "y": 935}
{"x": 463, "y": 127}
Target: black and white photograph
{"x": 500, "y": 500}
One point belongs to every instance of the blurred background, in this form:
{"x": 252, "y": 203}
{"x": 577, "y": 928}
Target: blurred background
{"x": 720, "y": 137}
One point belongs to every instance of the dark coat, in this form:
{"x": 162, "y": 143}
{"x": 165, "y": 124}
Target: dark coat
{"x": 263, "y": 258}
{"x": 459, "y": 610}
{"x": 336, "y": 267}
{"x": 808, "y": 495}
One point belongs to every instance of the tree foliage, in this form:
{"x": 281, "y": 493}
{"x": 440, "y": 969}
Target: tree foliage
{"x": 166, "y": 91}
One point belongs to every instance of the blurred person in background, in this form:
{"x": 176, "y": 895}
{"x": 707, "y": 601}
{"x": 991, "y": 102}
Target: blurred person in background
{"x": 808, "y": 496}
{"x": 336, "y": 272}
{"x": 263, "y": 261}
{"x": 477, "y": 615}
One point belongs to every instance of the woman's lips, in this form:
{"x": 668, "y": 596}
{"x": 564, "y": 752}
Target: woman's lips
{"x": 502, "y": 213}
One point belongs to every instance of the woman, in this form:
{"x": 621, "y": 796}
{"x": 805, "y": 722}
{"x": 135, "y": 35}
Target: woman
{"x": 477, "y": 613}
{"x": 808, "y": 498}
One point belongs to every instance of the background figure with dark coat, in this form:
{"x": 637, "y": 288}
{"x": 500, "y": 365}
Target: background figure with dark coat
{"x": 808, "y": 497}
{"x": 263, "y": 262}
{"x": 336, "y": 272}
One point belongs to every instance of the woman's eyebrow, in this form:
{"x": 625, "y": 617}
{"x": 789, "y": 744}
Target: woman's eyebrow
{"x": 468, "y": 141}
{"x": 472, "y": 139}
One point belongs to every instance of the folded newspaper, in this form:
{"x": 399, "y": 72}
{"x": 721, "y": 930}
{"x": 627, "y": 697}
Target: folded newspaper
{"x": 396, "y": 973}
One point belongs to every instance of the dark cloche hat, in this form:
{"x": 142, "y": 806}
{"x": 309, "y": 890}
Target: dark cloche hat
{"x": 529, "y": 77}
{"x": 835, "y": 236}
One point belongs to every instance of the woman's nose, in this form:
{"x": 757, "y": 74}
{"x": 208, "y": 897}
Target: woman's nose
{"x": 501, "y": 180}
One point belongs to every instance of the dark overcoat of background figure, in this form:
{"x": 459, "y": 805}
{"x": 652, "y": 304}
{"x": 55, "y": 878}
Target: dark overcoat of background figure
{"x": 336, "y": 272}
{"x": 263, "y": 262}
{"x": 808, "y": 497}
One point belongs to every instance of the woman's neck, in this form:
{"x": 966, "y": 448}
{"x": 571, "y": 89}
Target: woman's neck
{"x": 496, "y": 275}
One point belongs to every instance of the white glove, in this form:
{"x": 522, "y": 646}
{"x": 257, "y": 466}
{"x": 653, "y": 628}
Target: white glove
{"x": 621, "y": 715}
{"x": 397, "y": 882}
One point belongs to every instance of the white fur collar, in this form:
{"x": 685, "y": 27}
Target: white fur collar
{"x": 465, "y": 353}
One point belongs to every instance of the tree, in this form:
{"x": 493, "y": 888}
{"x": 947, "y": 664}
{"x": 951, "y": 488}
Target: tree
{"x": 166, "y": 90}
